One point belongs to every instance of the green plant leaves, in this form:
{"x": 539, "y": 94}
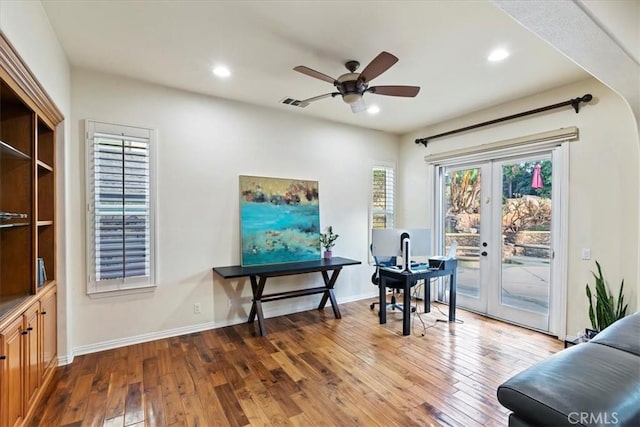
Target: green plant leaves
{"x": 606, "y": 310}
{"x": 327, "y": 240}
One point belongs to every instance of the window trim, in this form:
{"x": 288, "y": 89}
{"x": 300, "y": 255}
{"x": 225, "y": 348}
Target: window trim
{"x": 374, "y": 165}
{"x": 385, "y": 165}
{"x": 115, "y": 287}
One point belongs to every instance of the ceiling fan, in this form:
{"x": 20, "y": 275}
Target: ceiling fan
{"x": 351, "y": 86}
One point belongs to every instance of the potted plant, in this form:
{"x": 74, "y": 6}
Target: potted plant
{"x": 328, "y": 241}
{"x": 605, "y": 310}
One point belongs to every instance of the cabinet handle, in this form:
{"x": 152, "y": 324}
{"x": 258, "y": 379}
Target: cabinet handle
{"x": 43, "y": 312}
{"x": 3, "y": 357}
{"x": 25, "y": 332}
{"x": 30, "y": 328}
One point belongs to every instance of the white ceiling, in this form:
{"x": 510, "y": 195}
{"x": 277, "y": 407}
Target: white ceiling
{"x": 442, "y": 47}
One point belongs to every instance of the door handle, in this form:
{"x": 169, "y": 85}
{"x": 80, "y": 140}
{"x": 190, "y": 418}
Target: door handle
{"x": 483, "y": 253}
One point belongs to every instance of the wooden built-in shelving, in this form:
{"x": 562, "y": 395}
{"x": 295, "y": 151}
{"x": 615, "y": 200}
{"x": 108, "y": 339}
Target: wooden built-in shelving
{"x": 8, "y": 151}
{"x": 28, "y": 306}
{"x": 42, "y": 165}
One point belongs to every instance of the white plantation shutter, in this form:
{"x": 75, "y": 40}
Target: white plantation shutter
{"x": 383, "y": 202}
{"x": 120, "y": 207}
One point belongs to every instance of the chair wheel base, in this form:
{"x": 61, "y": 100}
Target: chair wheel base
{"x": 394, "y": 306}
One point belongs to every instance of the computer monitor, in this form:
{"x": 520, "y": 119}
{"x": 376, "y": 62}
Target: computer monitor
{"x": 387, "y": 242}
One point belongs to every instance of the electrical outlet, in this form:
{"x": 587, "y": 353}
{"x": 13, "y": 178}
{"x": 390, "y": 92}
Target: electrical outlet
{"x": 196, "y": 308}
{"x": 586, "y": 253}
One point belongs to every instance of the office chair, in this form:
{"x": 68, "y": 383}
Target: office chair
{"x": 375, "y": 279}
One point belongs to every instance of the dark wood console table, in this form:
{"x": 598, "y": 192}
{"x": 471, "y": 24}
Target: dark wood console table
{"x": 389, "y": 277}
{"x": 259, "y": 274}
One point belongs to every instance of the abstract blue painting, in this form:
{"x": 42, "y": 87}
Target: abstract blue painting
{"x": 279, "y": 220}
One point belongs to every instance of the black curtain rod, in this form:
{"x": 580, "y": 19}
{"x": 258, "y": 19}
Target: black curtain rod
{"x": 575, "y": 103}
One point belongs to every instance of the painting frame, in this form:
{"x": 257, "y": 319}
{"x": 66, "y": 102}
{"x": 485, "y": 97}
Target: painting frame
{"x": 279, "y": 220}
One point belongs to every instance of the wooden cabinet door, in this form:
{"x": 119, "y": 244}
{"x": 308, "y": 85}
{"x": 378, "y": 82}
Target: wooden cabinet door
{"x": 31, "y": 354}
{"x": 11, "y": 386}
{"x": 48, "y": 332}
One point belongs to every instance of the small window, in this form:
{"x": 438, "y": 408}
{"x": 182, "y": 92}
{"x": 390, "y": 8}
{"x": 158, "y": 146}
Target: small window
{"x": 383, "y": 205}
{"x": 120, "y": 207}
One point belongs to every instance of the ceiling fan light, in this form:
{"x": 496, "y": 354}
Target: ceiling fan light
{"x": 351, "y": 98}
{"x": 358, "y": 107}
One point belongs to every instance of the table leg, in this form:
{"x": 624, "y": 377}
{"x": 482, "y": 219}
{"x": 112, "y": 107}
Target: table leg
{"x": 382, "y": 288}
{"x": 452, "y": 297}
{"x": 406, "y": 306}
{"x": 329, "y": 294}
{"x": 257, "y": 288}
{"x": 427, "y": 295}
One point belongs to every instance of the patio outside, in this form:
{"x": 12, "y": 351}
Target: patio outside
{"x": 526, "y": 224}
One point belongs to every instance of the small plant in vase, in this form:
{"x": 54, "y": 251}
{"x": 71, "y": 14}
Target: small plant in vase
{"x": 328, "y": 241}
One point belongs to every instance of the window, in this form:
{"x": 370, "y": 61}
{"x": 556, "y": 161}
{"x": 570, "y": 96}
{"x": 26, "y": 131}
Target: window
{"x": 382, "y": 208}
{"x": 120, "y": 207}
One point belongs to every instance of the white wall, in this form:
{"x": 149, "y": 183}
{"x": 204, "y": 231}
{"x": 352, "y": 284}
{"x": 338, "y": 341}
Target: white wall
{"x": 27, "y": 27}
{"x": 589, "y": 33}
{"x": 600, "y": 36}
{"x": 204, "y": 143}
{"x": 603, "y": 181}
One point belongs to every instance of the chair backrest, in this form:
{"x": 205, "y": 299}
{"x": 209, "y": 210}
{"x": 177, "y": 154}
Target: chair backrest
{"x": 381, "y": 262}
{"x": 387, "y": 261}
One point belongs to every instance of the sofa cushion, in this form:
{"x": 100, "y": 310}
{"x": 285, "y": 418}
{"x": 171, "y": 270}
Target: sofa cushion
{"x": 591, "y": 379}
{"x": 623, "y": 335}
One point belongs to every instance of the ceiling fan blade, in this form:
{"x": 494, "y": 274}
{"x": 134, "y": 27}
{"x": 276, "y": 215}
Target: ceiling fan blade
{"x": 408, "y": 91}
{"x": 313, "y": 73}
{"x": 305, "y": 102}
{"x": 379, "y": 65}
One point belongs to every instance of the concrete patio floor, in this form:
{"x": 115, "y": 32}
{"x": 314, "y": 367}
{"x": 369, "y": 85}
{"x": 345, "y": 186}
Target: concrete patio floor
{"x": 525, "y": 282}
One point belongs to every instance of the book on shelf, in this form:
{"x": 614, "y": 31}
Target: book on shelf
{"x": 42, "y": 273}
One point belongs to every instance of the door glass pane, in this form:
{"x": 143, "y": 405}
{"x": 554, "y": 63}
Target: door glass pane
{"x": 462, "y": 225}
{"x": 526, "y": 235}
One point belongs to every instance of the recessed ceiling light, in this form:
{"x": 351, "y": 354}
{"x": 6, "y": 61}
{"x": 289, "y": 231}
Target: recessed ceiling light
{"x": 373, "y": 109}
{"x": 221, "y": 71}
{"x": 497, "y": 55}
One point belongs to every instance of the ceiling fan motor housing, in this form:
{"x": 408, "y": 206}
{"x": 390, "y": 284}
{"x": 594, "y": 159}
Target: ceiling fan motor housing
{"x": 350, "y": 87}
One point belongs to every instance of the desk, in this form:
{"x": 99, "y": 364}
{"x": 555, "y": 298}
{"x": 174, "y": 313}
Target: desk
{"x": 409, "y": 280}
{"x": 259, "y": 274}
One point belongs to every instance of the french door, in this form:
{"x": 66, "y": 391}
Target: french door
{"x": 501, "y": 214}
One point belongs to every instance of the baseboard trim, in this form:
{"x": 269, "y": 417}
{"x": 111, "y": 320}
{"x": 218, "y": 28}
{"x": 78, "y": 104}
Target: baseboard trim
{"x": 65, "y": 360}
{"x": 169, "y": 333}
{"x": 139, "y": 339}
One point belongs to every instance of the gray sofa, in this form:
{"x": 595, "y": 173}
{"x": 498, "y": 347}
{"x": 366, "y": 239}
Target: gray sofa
{"x": 589, "y": 384}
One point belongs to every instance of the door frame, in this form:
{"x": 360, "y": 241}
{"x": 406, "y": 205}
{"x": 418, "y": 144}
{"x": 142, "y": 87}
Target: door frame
{"x": 560, "y": 155}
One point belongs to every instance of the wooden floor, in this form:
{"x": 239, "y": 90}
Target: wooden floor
{"x": 310, "y": 370}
